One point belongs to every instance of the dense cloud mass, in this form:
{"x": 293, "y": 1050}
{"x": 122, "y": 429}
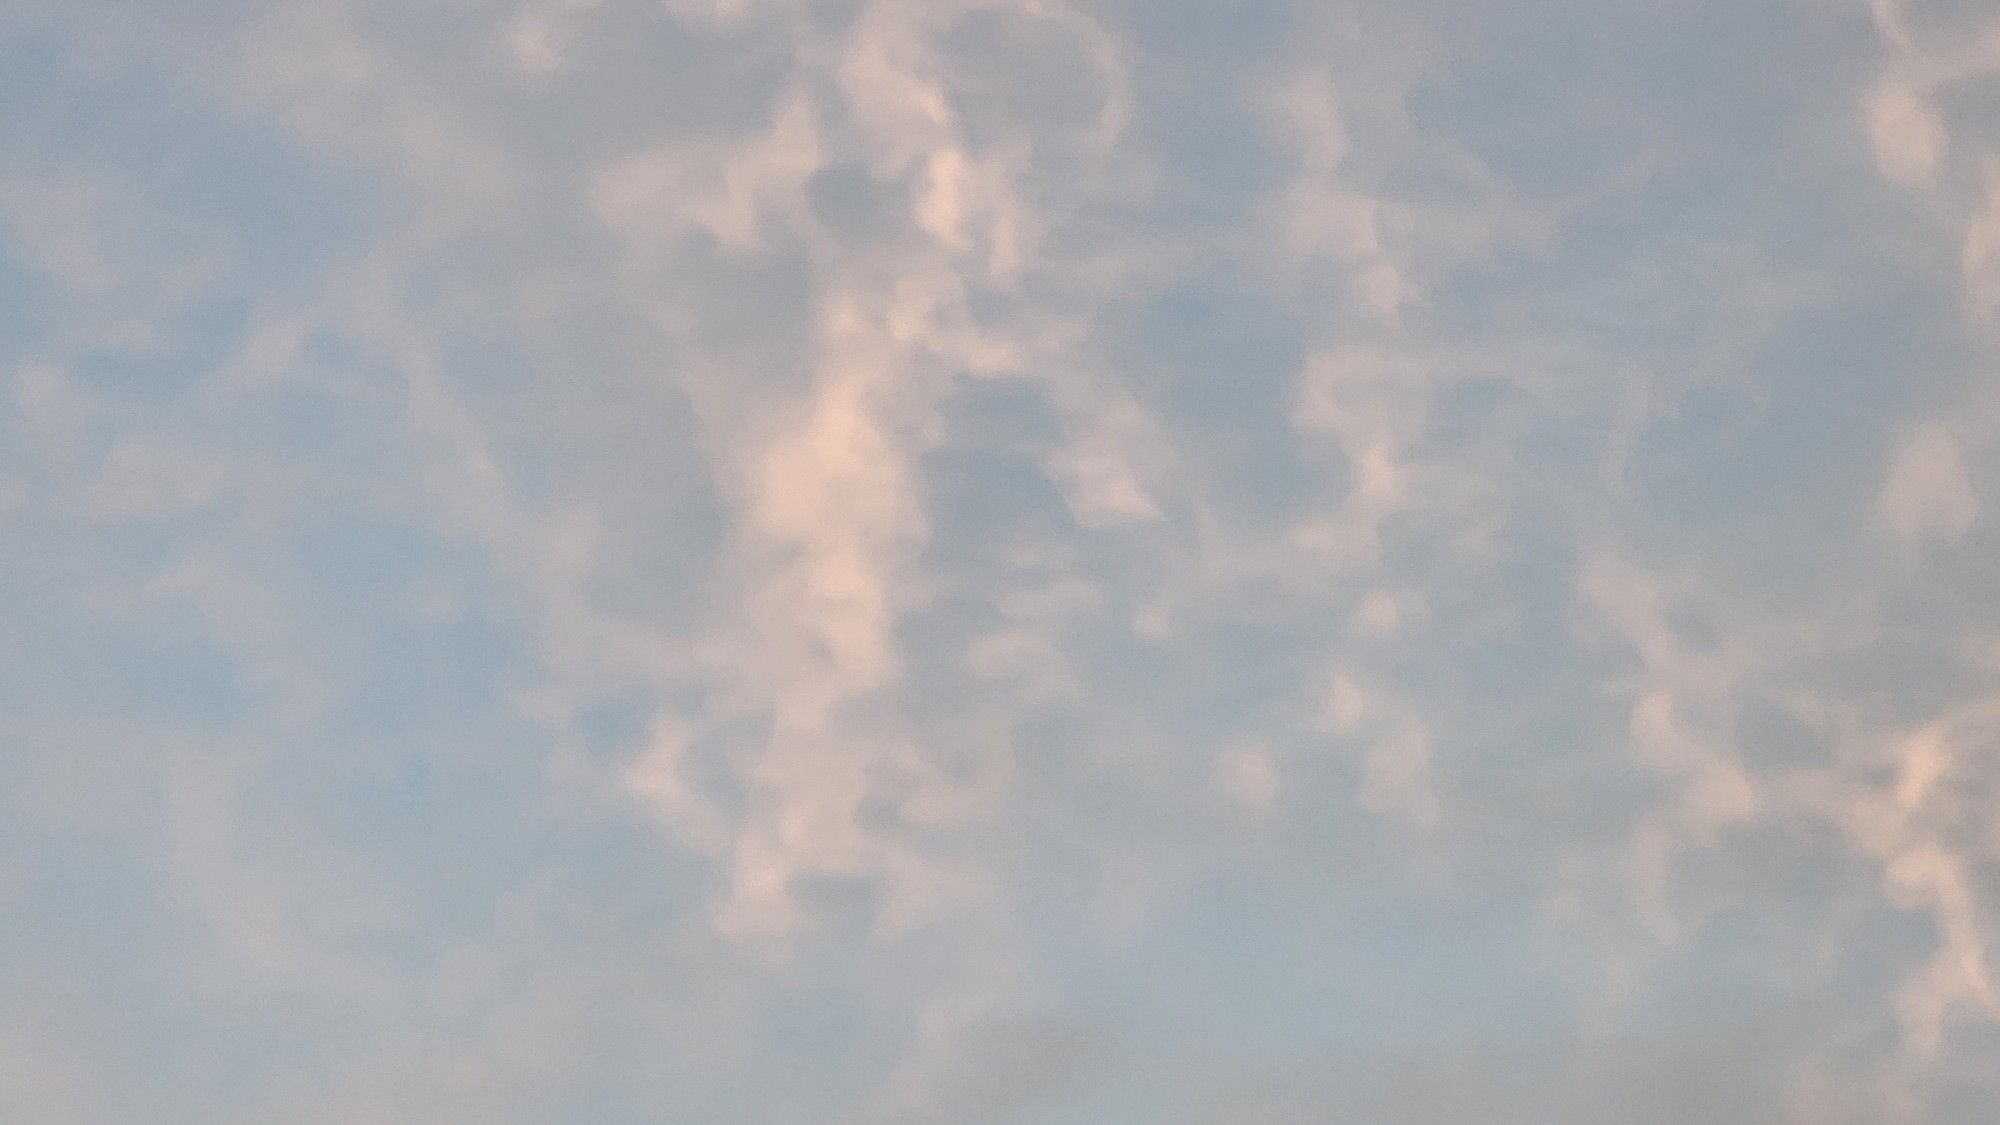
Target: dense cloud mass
{"x": 1000, "y": 561}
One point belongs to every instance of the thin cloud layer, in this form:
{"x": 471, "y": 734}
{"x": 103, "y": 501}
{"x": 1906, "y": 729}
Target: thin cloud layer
{"x": 992, "y": 561}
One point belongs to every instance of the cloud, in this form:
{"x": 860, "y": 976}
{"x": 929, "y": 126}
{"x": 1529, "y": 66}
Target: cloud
{"x": 879, "y": 561}
{"x": 1909, "y": 139}
{"x": 1927, "y": 495}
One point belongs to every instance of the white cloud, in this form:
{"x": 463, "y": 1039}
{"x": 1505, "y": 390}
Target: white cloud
{"x": 1927, "y": 495}
{"x": 1909, "y": 139}
{"x": 571, "y": 557}
{"x": 1248, "y": 776}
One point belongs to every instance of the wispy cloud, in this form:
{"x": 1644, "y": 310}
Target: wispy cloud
{"x": 1005, "y": 560}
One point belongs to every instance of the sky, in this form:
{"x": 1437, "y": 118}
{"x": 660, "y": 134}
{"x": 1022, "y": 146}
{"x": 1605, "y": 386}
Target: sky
{"x": 1000, "y": 562}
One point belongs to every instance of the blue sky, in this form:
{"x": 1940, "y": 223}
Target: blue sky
{"x": 999, "y": 561}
